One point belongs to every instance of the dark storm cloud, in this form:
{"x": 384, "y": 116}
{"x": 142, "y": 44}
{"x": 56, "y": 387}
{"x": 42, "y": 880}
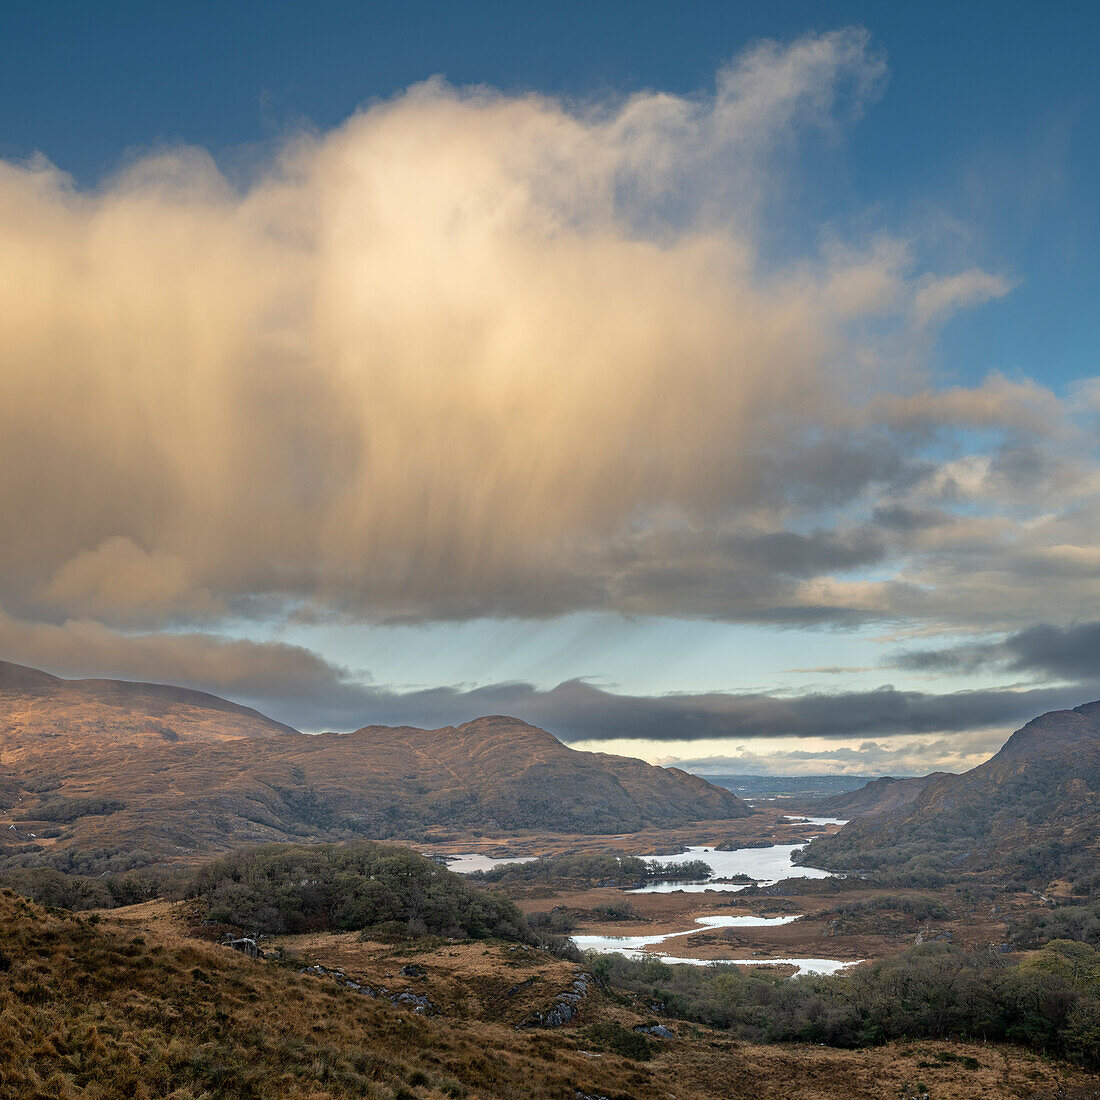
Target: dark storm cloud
{"x": 898, "y": 517}
{"x": 299, "y": 687}
{"x": 477, "y": 354}
{"x": 580, "y": 711}
{"x": 806, "y": 555}
{"x": 1071, "y": 652}
{"x": 1067, "y": 653}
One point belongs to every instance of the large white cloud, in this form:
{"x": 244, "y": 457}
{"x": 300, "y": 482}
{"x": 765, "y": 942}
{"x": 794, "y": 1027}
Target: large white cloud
{"x": 483, "y": 354}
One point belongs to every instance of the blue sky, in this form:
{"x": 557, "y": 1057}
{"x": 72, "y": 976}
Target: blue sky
{"x": 917, "y": 226}
{"x": 990, "y": 115}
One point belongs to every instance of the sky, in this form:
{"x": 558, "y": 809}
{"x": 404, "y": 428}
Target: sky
{"x": 710, "y": 383}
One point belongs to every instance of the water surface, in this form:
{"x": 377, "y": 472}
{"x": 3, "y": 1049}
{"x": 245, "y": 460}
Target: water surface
{"x": 627, "y": 945}
{"x": 803, "y": 966}
{"x": 764, "y": 866}
{"x": 467, "y": 862}
{"x": 638, "y": 947}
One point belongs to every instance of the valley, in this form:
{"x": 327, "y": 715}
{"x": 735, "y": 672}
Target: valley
{"x": 550, "y": 551}
{"x": 807, "y": 894}
{"x": 539, "y": 922}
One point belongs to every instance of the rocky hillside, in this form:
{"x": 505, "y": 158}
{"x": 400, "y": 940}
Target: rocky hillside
{"x": 140, "y": 772}
{"x": 143, "y": 1008}
{"x": 1029, "y": 814}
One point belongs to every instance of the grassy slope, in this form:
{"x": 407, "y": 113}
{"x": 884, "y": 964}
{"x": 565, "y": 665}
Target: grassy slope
{"x": 92, "y": 1010}
{"x": 133, "y": 1007}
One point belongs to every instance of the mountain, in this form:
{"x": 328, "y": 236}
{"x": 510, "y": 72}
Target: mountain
{"x": 1057, "y": 732}
{"x": 1030, "y": 814}
{"x": 99, "y": 775}
{"x": 42, "y": 715}
{"x": 876, "y": 797}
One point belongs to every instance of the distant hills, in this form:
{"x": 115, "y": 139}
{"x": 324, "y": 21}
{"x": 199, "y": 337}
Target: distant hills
{"x": 107, "y": 775}
{"x": 795, "y": 788}
{"x": 1029, "y": 814}
{"x": 877, "y": 796}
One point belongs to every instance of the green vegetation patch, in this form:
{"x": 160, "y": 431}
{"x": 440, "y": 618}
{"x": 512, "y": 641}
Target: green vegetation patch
{"x": 66, "y": 810}
{"x": 596, "y": 869}
{"x": 1050, "y": 1003}
{"x": 360, "y": 886}
{"x": 608, "y": 1035}
{"x": 1079, "y": 922}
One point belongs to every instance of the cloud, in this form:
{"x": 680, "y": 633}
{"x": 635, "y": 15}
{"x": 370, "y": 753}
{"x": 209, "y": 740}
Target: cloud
{"x": 1064, "y": 653}
{"x": 475, "y": 354}
{"x": 118, "y": 581}
{"x": 272, "y": 673}
{"x": 832, "y": 670}
{"x": 1069, "y": 652}
{"x": 299, "y": 687}
{"x": 944, "y": 297}
{"x": 578, "y": 711}
{"x": 915, "y": 756}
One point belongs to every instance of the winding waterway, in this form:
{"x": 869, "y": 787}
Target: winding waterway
{"x": 764, "y": 866}
{"x": 636, "y": 947}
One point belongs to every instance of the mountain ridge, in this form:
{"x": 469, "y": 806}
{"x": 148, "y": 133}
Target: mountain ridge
{"x": 177, "y": 779}
{"x": 886, "y": 793}
{"x": 1031, "y": 813}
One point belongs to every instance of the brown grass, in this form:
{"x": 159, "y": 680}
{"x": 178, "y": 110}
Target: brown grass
{"x": 130, "y": 1005}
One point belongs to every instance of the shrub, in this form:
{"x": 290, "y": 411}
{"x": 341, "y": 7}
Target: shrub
{"x": 360, "y": 886}
{"x": 609, "y": 1035}
{"x": 556, "y": 921}
{"x": 617, "y": 910}
{"x": 66, "y": 810}
{"x": 935, "y": 991}
{"x": 603, "y": 868}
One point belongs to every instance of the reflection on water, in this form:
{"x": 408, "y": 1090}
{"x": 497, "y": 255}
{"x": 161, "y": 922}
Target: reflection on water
{"x": 816, "y": 820}
{"x": 763, "y": 865}
{"x": 803, "y": 966}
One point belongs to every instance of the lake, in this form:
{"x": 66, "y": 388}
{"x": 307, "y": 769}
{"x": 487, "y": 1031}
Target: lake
{"x": 763, "y": 865}
{"x": 802, "y": 966}
{"x": 627, "y": 944}
{"x": 470, "y": 861}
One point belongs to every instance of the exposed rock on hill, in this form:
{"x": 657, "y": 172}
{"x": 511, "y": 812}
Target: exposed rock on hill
{"x": 1030, "y": 813}
{"x": 98, "y": 771}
